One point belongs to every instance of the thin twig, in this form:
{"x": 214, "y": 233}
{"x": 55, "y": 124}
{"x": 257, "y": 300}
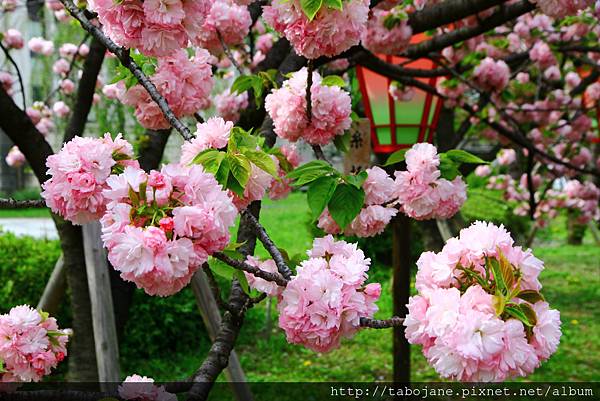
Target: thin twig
{"x": 309, "y": 82}
{"x": 381, "y": 324}
{"x": 269, "y": 245}
{"x": 25, "y": 204}
{"x": 319, "y": 152}
{"x": 241, "y": 265}
{"x": 228, "y": 53}
{"x": 125, "y": 59}
{"x": 14, "y": 63}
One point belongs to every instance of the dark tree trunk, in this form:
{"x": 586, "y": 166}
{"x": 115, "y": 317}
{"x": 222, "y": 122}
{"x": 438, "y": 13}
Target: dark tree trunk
{"x": 401, "y": 292}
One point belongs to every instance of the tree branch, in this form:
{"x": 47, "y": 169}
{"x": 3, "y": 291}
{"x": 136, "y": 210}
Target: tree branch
{"x": 14, "y": 63}
{"x": 269, "y": 245}
{"x": 437, "y": 43}
{"x": 381, "y": 324}
{"x": 241, "y": 265}
{"x": 446, "y": 12}
{"x": 25, "y": 204}
{"x": 125, "y": 59}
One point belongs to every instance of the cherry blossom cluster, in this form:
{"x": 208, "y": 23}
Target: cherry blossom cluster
{"x": 380, "y": 39}
{"x": 41, "y": 116}
{"x": 330, "y": 114}
{"x": 330, "y": 33}
{"x": 79, "y": 174}
{"x": 185, "y": 84}
{"x": 142, "y": 388}
{"x": 229, "y": 105}
{"x": 15, "y": 158}
{"x": 268, "y": 287}
{"x": 376, "y": 213}
{"x": 31, "y": 344}
{"x": 226, "y": 24}
{"x": 160, "y": 227}
{"x": 562, "y": 8}
{"x": 584, "y": 198}
{"x": 479, "y": 315}
{"x": 492, "y": 75}
{"x": 420, "y": 191}
{"x": 324, "y": 302}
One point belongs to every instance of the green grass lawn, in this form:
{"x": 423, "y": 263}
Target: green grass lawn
{"x": 32, "y": 212}
{"x": 571, "y": 284}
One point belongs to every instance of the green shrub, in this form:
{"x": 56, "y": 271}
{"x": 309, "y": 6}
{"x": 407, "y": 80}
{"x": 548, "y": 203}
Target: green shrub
{"x": 27, "y": 194}
{"x": 25, "y": 266}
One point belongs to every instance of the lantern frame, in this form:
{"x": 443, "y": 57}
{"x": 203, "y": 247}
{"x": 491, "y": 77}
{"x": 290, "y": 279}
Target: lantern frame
{"x": 426, "y": 127}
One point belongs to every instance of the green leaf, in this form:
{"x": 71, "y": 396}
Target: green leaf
{"x": 133, "y": 196}
{"x": 517, "y": 313}
{"x": 346, "y": 203}
{"x": 396, "y": 157}
{"x": 262, "y": 161}
{"x": 333, "y": 80}
{"x": 311, "y": 7}
{"x": 205, "y": 157}
{"x": 357, "y": 179}
{"x": 342, "y": 142}
{"x": 529, "y": 312}
{"x": 335, "y": 4}
{"x": 448, "y": 168}
{"x": 243, "y": 281}
{"x": 507, "y": 271}
{"x": 319, "y": 194}
{"x": 241, "y": 139}
{"x": 221, "y": 269}
{"x": 242, "y": 84}
{"x": 240, "y": 168}
{"x": 234, "y": 185}
{"x": 494, "y": 266}
{"x": 309, "y": 177}
{"x": 530, "y": 296}
{"x": 315, "y": 165}
{"x": 461, "y": 156}
{"x": 222, "y": 173}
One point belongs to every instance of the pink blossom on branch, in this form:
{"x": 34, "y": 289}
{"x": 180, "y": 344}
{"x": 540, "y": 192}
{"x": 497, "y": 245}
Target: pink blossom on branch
{"x": 15, "y": 158}
{"x": 379, "y": 39}
{"x": 79, "y": 174}
{"x": 330, "y": 33}
{"x": 31, "y": 345}
{"x": 185, "y": 83}
{"x": 227, "y": 19}
{"x": 324, "y": 302}
{"x": 161, "y": 227}
{"x": 331, "y": 109}
{"x": 456, "y": 317}
{"x": 142, "y": 388}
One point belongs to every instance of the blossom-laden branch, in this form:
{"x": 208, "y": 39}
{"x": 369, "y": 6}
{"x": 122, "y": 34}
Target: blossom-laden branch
{"x": 241, "y": 265}
{"x": 503, "y": 15}
{"x": 125, "y": 59}
{"x": 263, "y": 236}
{"x": 381, "y": 324}
{"x": 15, "y": 204}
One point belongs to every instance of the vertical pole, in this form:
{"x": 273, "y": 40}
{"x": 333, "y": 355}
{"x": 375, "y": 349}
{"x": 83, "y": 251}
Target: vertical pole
{"x": 401, "y": 261}
{"x": 103, "y": 317}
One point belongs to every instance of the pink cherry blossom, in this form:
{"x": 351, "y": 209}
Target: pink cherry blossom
{"x": 226, "y": 19}
{"x": 31, "y": 344}
{"x": 456, "y": 319}
{"x": 379, "y": 39}
{"x": 142, "y": 388}
{"x": 229, "y": 105}
{"x": 331, "y": 108}
{"x": 182, "y": 217}
{"x": 79, "y": 174}
{"x": 330, "y": 33}
{"x": 268, "y": 287}
{"x": 13, "y": 39}
{"x": 15, "y": 158}
{"x": 214, "y": 133}
{"x": 492, "y": 75}
{"x": 326, "y": 299}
